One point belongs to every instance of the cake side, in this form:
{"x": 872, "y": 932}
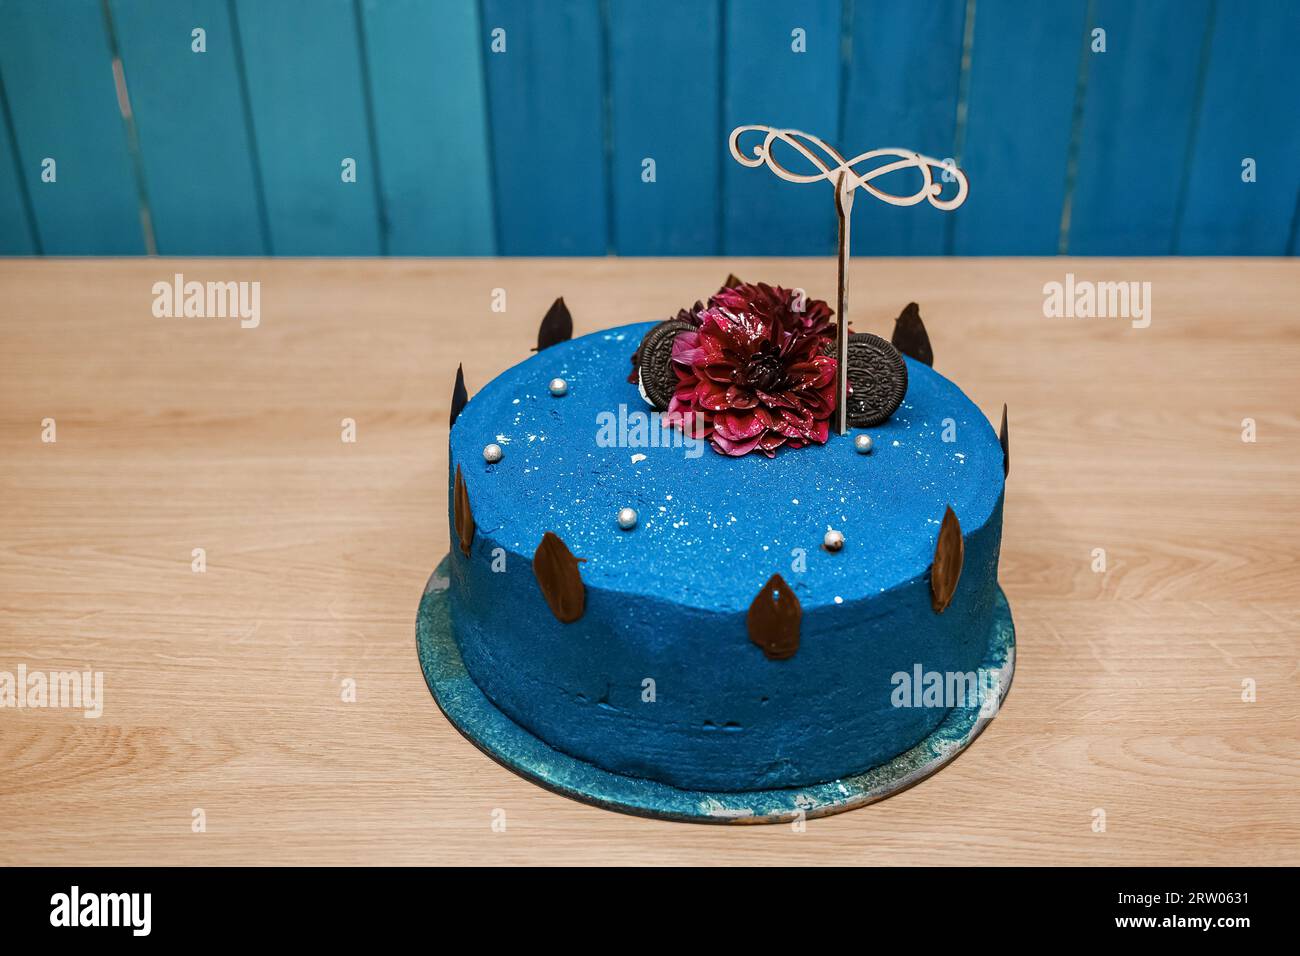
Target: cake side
{"x": 658, "y": 677}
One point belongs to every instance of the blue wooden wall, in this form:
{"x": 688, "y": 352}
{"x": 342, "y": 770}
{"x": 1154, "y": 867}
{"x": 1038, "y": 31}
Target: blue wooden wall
{"x": 590, "y": 127}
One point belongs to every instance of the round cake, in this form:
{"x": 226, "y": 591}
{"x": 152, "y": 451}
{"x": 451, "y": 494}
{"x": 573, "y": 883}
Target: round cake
{"x": 648, "y": 653}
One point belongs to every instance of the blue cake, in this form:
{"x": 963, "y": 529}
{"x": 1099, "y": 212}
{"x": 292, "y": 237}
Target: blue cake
{"x": 655, "y": 666}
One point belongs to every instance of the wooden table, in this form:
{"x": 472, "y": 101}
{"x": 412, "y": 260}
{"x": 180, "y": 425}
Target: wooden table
{"x": 224, "y": 689}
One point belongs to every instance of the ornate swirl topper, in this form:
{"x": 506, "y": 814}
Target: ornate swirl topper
{"x": 834, "y": 168}
{"x": 905, "y": 159}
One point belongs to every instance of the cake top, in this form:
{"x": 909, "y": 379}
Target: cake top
{"x": 712, "y": 528}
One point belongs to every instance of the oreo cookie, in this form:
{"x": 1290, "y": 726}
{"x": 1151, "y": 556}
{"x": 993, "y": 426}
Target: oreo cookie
{"x": 877, "y": 379}
{"x": 654, "y": 362}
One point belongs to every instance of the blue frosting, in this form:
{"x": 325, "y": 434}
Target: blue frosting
{"x": 659, "y": 678}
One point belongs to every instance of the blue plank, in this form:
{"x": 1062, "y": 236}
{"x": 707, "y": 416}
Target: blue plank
{"x": 767, "y": 83}
{"x": 1248, "y": 109}
{"x": 546, "y": 97}
{"x": 1136, "y": 126}
{"x": 16, "y": 235}
{"x": 426, "y": 75}
{"x": 57, "y": 68}
{"x": 198, "y": 160}
{"x": 1023, "y": 76}
{"x": 302, "y": 61}
{"x": 666, "y": 106}
{"x": 902, "y": 92}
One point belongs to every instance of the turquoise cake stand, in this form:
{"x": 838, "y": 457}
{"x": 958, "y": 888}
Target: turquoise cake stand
{"x": 478, "y": 719}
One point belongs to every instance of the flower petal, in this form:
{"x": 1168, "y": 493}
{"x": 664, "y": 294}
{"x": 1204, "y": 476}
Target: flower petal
{"x": 735, "y": 449}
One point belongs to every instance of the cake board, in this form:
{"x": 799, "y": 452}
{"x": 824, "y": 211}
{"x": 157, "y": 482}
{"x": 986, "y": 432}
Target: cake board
{"x": 516, "y": 749}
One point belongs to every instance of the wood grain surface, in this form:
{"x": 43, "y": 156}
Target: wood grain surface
{"x": 224, "y": 689}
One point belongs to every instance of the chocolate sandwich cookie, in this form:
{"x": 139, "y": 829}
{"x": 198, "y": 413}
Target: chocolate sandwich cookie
{"x": 877, "y": 378}
{"x": 654, "y": 362}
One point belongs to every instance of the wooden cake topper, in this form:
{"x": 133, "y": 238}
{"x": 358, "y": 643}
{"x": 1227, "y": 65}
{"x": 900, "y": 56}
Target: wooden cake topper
{"x": 773, "y": 620}
{"x": 831, "y": 166}
{"x": 556, "y": 570}
{"x": 945, "y": 572}
{"x": 462, "y": 514}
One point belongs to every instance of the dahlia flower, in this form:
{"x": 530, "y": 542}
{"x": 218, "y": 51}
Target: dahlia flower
{"x": 754, "y": 375}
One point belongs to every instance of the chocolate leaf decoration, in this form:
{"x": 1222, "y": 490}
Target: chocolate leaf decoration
{"x": 1003, "y": 436}
{"x": 556, "y": 327}
{"x": 910, "y": 336}
{"x": 458, "y": 395}
{"x": 946, "y": 570}
{"x": 732, "y": 281}
{"x": 462, "y": 514}
{"x": 773, "y": 620}
{"x": 556, "y": 570}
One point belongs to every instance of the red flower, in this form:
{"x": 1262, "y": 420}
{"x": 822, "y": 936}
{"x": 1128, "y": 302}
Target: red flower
{"x": 754, "y": 375}
{"x": 789, "y": 307}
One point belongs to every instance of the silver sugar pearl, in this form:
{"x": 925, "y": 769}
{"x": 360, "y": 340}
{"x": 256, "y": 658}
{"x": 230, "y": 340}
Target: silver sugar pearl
{"x": 833, "y": 541}
{"x": 862, "y": 444}
{"x": 627, "y": 518}
{"x": 492, "y": 453}
{"x": 559, "y": 387}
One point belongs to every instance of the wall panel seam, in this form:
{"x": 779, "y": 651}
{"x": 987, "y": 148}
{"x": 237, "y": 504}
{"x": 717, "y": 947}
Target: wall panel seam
{"x": 24, "y": 193}
{"x": 368, "y": 100}
{"x": 1193, "y": 129}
